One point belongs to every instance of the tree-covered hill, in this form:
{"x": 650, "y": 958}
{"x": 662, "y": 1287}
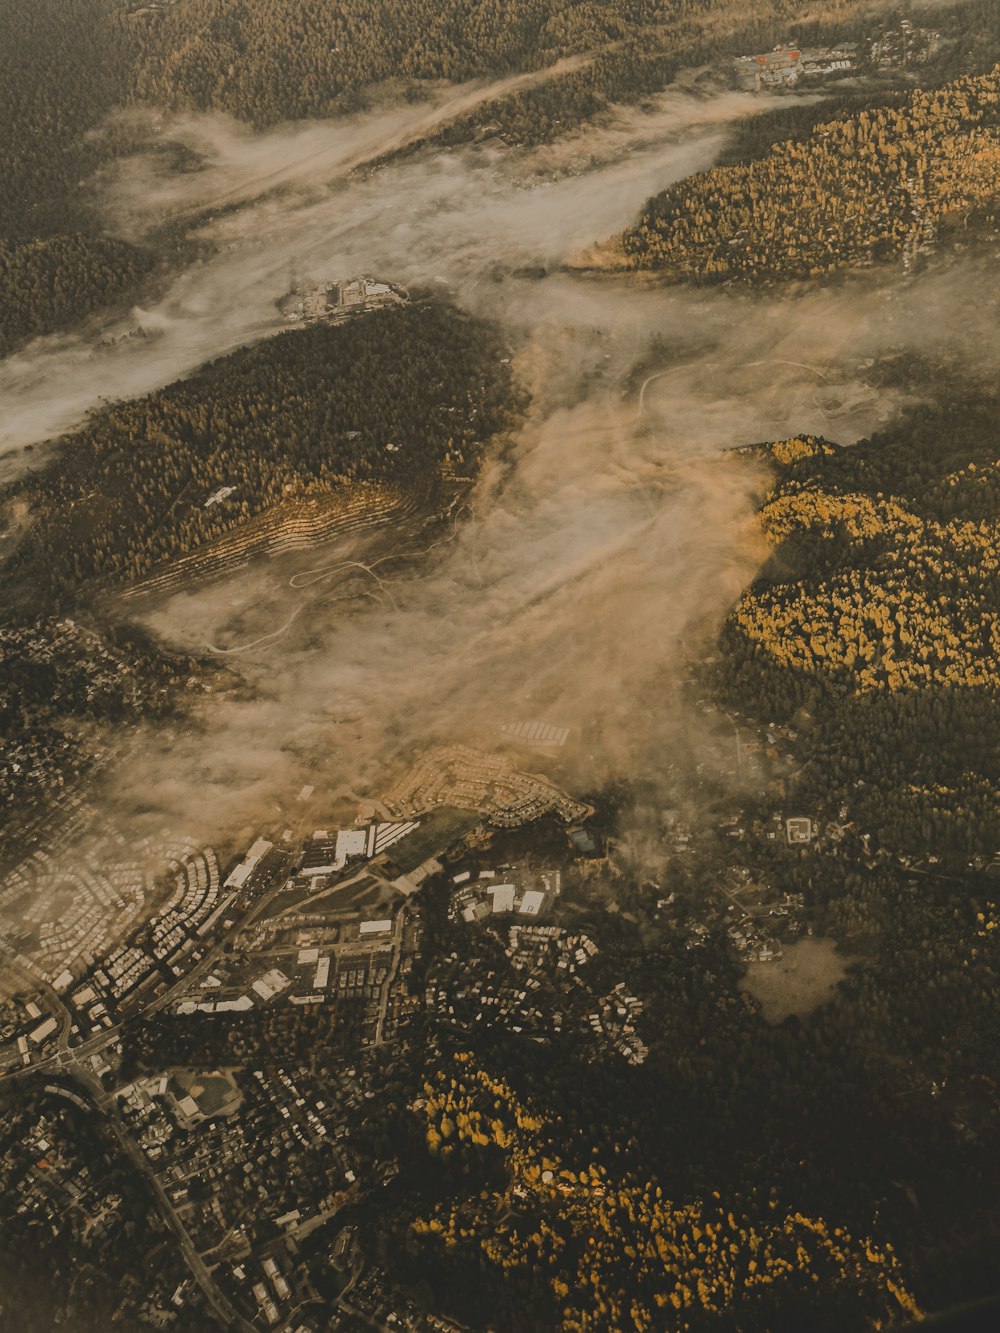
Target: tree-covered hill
{"x": 52, "y": 282}
{"x": 876, "y": 184}
{"x": 879, "y": 614}
{"x": 393, "y": 397}
{"x": 66, "y": 69}
{"x": 62, "y": 71}
{"x": 600, "y": 1249}
{"x": 268, "y": 60}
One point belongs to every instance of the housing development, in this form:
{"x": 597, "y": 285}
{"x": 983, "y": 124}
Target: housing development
{"x": 182, "y": 996}
{"x": 499, "y": 666}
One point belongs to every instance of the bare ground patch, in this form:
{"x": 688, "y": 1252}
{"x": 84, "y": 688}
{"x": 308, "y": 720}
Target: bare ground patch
{"x": 806, "y": 977}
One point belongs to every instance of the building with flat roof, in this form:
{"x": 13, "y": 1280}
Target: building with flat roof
{"x": 375, "y": 927}
{"x": 241, "y": 873}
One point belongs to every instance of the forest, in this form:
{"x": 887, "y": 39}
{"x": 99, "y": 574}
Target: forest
{"x": 878, "y": 184}
{"x": 877, "y": 617}
{"x": 821, "y": 1174}
{"x": 398, "y": 397}
{"x": 392, "y": 397}
{"x": 67, "y": 73}
{"x": 270, "y": 60}
{"x": 62, "y": 71}
{"x": 825, "y": 1173}
{"x": 52, "y": 282}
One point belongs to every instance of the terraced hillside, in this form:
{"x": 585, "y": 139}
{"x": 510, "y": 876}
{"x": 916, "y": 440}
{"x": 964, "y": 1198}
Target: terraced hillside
{"x": 300, "y": 420}
{"x": 290, "y": 526}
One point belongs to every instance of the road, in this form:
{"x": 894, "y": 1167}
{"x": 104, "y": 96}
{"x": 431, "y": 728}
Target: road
{"x": 70, "y": 1062}
{"x": 75, "y": 1063}
{"x": 229, "y": 1316}
{"x": 397, "y": 953}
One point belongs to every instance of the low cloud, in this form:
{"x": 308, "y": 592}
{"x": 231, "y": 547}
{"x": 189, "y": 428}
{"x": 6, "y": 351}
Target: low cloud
{"x": 597, "y": 554}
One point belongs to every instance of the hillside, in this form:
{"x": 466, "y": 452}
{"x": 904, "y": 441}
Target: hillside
{"x": 879, "y": 184}
{"x": 599, "y": 1249}
{"x": 268, "y": 60}
{"x": 392, "y": 398}
{"x": 62, "y": 71}
{"x": 538, "y": 1178}
{"x": 66, "y": 72}
{"x": 879, "y": 615}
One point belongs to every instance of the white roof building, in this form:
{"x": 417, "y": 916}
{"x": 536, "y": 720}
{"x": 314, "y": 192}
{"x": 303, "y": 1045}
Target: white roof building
{"x": 239, "y": 876}
{"x": 375, "y": 927}
{"x": 531, "y": 903}
{"x": 46, "y": 1029}
{"x": 503, "y": 897}
{"x": 350, "y": 842}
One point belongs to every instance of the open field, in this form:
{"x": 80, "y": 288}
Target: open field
{"x": 435, "y": 832}
{"x": 806, "y": 977}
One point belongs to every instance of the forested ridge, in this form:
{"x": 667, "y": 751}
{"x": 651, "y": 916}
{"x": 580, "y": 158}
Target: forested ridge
{"x": 873, "y": 185}
{"x": 51, "y": 282}
{"x": 65, "y": 69}
{"x": 219, "y": 55}
{"x": 393, "y": 397}
{"x": 879, "y": 614}
{"x": 616, "y": 1251}
{"x": 62, "y": 71}
{"x": 268, "y": 60}
{"x": 647, "y": 56}
{"x": 830, "y": 1173}
{"x": 834, "y": 1173}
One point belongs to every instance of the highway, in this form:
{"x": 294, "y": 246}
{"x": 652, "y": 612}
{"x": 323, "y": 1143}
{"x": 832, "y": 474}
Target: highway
{"x": 74, "y": 1062}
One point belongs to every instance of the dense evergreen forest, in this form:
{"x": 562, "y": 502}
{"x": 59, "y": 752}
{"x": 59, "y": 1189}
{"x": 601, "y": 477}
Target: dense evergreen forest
{"x": 825, "y": 1174}
{"x": 393, "y": 396}
{"x": 647, "y": 56}
{"x": 878, "y": 615}
{"x": 876, "y": 184}
{"x": 64, "y": 71}
{"x": 52, "y": 282}
{"x": 270, "y": 60}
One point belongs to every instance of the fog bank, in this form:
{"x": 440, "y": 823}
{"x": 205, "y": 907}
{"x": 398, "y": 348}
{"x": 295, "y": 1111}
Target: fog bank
{"x": 604, "y": 546}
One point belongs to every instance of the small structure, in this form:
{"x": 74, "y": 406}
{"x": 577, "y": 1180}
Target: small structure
{"x": 333, "y": 302}
{"x": 538, "y": 735}
{"x": 369, "y": 928}
{"x": 798, "y": 830}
